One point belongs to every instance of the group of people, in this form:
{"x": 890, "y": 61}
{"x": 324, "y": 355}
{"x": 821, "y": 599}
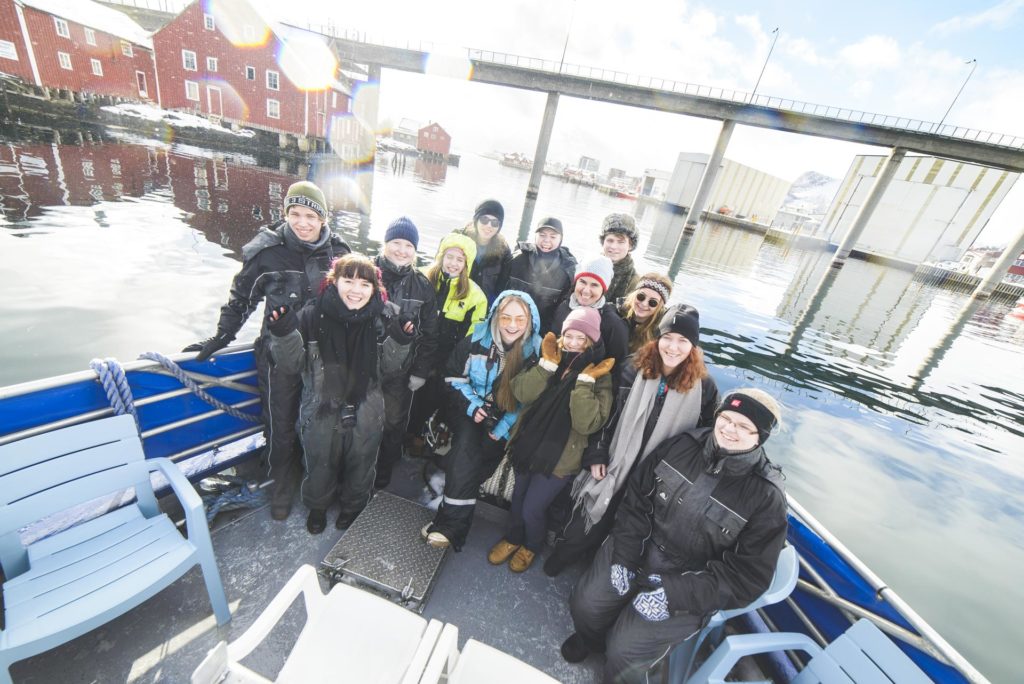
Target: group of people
{"x": 582, "y": 375}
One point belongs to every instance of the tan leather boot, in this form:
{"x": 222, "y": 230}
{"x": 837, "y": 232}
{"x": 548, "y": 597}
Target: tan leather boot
{"x": 522, "y": 560}
{"x": 501, "y": 552}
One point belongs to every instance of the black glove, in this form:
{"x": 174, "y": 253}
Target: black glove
{"x": 282, "y": 321}
{"x": 209, "y": 346}
{"x": 398, "y": 324}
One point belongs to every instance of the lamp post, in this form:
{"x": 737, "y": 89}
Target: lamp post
{"x": 572, "y": 15}
{"x": 974, "y": 65}
{"x": 765, "y": 65}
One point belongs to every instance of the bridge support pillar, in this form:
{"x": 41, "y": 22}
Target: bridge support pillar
{"x": 539, "y": 157}
{"x": 989, "y": 283}
{"x": 885, "y": 176}
{"x": 700, "y": 199}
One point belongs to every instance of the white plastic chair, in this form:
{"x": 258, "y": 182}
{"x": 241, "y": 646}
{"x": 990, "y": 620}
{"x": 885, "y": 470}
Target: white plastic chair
{"x": 477, "y": 663}
{"x": 350, "y": 635}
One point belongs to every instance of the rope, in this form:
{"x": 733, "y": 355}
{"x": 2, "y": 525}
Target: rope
{"x": 188, "y": 382}
{"x": 115, "y": 385}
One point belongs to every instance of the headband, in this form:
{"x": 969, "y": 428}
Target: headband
{"x": 745, "y": 405}
{"x": 656, "y": 286}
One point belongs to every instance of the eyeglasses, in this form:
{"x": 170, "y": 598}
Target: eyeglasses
{"x": 505, "y": 319}
{"x": 650, "y": 299}
{"x": 489, "y": 221}
{"x": 740, "y": 429}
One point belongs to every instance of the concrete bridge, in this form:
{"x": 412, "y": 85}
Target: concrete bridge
{"x": 900, "y": 134}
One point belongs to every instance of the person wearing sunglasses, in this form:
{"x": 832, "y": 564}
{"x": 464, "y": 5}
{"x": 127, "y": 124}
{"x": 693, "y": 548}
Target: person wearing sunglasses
{"x": 493, "y": 255}
{"x": 482, "y": 409}
{"x": 544, "y": 268}
{"x": 700, "y": 530}
{"x": 643, "y": 307}
{"x": 665, "y": 389}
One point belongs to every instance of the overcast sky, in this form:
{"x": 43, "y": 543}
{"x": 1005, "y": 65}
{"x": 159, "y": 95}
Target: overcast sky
{"x": 905, "y": 59}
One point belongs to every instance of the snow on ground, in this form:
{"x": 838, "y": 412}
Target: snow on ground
{"x": 174, "y": 119}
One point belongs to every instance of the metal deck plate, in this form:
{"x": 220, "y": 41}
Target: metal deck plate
{"x": 383, "y": 550}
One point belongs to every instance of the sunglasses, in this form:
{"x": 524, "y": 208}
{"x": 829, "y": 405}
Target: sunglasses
{"x": 489, "y": 221}
{"x": 505, "y": 319}
{"x": 650, "y": 299}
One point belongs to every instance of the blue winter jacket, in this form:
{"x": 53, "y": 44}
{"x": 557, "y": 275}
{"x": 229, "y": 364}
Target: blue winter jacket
{"x": 468, "y": 371}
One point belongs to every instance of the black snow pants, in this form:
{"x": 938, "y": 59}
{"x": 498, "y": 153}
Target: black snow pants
{"x": 607, "y": 622}
{"x": 472, "y": 459}
{"x": 280, "y": 393}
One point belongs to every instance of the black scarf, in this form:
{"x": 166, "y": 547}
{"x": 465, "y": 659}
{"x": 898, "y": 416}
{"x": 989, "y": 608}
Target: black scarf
{"x": 731, "y": 463}
{"x": 544, "y": 430}
{"x": 348, "y": 347}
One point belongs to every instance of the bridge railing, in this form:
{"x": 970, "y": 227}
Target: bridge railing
{"x": 780, "y": 104}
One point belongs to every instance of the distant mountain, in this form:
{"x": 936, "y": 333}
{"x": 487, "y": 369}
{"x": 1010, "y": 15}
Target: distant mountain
{"x": 812, "y": 192}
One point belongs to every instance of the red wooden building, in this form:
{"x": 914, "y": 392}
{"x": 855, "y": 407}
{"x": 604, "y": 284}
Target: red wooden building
{"x": 222, "y": 59}
{"x": 434, "y": 141}
{"x": 76, "y": 45}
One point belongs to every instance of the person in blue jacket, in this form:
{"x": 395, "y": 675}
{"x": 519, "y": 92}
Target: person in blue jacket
{"x": 483, "y": 408}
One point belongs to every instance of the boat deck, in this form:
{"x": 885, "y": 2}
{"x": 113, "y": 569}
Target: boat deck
{"x": 165, "y": 638}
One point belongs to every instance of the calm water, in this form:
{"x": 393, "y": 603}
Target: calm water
{"x": 903, "y": 415}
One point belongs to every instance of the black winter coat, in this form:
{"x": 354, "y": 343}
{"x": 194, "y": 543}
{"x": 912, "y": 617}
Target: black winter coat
{"x": 412, "y": 292}
{"x": 716, "y": 537}
{"x": 277, "y": 270}
{"x": 547, "y": 280}
{"x": 490, "y": 269}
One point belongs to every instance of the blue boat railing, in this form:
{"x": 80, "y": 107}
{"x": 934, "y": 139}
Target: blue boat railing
{"x": 173, "y": 423}
{"x": 836, "y": 588}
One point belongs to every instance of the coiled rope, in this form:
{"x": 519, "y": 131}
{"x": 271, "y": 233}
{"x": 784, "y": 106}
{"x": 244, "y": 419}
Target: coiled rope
{"x": 115, "y": 385}
{"x": 191, "y": 384}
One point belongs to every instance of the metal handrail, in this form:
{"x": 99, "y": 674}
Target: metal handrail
{"x": 772, "y": 102}
{"x": 936, "y": 645}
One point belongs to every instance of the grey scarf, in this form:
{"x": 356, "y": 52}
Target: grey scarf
{"x": 680, "y": 412}
{"x": 575, "y": 303}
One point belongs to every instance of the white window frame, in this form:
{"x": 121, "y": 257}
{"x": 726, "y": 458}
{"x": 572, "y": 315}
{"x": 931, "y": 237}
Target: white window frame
{"x": 208, "y": 22}
{"x": 90, "y": 36}
{"x": 126, "y": 49}
{"x": 277, "y": 80}
{"x": 65, "y": 61}
{"x": 273, "y": 112}
{"x": 185, "y": 55}
{"x": 144, "y": 90}
{"x": 97, "y": 67}
{"x": 8, "y": 50}
{"x": 62, "y": 28}
{"x": 211, "y": 64}
{"x": 192, "y": 91}
{"x": 250, "y": 70}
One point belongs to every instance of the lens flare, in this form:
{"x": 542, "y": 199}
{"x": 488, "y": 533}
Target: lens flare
{"x": 345, "y": 190}
{"x": 449, "y": 64}
{"x": 239, "y": 21}
{"x": 366, "y": 105}
{"x": 306, "y": 59}
{"x": 351, "y": 139}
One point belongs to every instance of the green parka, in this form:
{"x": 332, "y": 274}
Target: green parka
{"x": 589, "y": 407}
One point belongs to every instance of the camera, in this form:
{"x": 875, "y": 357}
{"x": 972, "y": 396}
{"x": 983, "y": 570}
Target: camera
{"x": 348, "y": 416}
{"x": 493, "y": 415}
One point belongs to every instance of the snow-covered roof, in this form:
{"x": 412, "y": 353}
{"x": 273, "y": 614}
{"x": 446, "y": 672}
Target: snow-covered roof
{"x": 95, "y": 16}
{"x": 409, "y": 125}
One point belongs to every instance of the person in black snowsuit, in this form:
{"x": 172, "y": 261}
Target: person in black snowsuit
{"x": 700, "y": 530}
{"x": 339, "y": 343}
{"x": 408, "y": 288}
{"x": 284, "y": 264}
{"x": 544, "y": 269}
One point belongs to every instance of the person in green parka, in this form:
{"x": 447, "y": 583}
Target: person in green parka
{"x": 567, "y": 396}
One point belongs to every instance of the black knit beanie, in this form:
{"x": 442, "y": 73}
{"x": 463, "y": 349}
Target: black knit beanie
{"x": 745, "y": 405}
{"x": 490, "y": 207}
{"x": 682, "y": 319}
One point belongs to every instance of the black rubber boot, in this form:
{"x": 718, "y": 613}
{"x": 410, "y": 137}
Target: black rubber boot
{"x": 317, "y": 521}
{"x": 345, "y": 520}
{"x": 574, "y": 650}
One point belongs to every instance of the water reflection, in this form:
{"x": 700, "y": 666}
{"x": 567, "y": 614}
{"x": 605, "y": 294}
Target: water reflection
{"x": 906, "y": 401}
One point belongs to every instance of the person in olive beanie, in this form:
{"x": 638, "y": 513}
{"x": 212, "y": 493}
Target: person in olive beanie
{"x": 283, "y": 265}
{"x": 619, "y": 238}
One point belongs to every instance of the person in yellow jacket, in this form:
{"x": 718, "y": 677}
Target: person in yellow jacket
{"x": 461, "y": 305}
